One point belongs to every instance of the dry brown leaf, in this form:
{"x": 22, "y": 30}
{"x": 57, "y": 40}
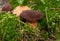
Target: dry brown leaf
{"x": 19, "y": 9}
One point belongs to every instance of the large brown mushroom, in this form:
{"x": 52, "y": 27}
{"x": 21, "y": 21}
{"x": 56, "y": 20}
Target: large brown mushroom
{"x": 31, "y": 16}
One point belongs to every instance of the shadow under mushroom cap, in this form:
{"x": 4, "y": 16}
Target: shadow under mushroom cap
{"x": 31, "y": 15}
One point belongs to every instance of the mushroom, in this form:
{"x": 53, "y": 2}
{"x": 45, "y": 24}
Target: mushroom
{"x": 7, "y": 7}
{"x": 31, "y": 16}
{"x": 17, "y": 11}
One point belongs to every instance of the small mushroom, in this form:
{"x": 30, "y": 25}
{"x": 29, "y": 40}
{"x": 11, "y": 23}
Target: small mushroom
{"x": 17, "y": 11}
{"x": 7, "y": 7}
{"x": 31, "y": 16}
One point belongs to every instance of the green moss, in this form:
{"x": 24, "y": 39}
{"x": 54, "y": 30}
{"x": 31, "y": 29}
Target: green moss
{"x": 13, "y": 29}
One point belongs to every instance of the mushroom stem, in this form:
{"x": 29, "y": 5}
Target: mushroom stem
{"x": 33, "y": 23}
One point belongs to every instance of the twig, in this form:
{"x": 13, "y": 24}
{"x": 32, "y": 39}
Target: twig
{"x": 54, "y": 8}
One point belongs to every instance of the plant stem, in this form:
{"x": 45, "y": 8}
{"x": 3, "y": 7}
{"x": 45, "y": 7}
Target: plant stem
{"x": 47, "y": 17}
{"x": 54, "y": 8}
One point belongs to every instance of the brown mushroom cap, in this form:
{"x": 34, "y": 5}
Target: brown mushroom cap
{"x": 7, "y": 7}
{"x": 31, "y": 15}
